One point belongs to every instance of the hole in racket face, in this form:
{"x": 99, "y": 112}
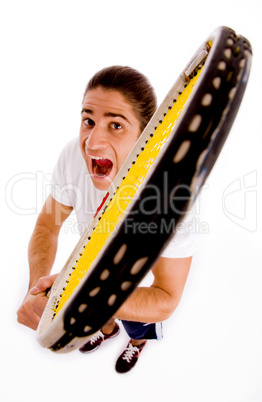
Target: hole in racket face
{"x": 120, "y": 254}
{"x": 242, "y": 63}
{"x": 201, "y": 159}
{"x": 126, "y": 285}
{"x": 138, "y": 265}
{"x": 94, "y": 292}
{"x": 105, "y": 274}
{"x": 206, "y": 100}
{"x": 232, "y": 93}
{"x": 216, "y": 82}
{"x": 228, "y": 53}
{"x": 182, "y": 151}
{"x": 230, "y": 42}
{"x": 222, "y": 65}
{"x": 112, "y": 299}
{"x": 82, "y": 308}
{"x": 195, "y": 123}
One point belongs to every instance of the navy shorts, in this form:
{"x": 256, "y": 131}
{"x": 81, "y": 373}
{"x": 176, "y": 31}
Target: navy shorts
{"x": 140, "y": 330}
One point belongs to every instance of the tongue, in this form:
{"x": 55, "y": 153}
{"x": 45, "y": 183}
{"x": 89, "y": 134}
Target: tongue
{"x": 105, "y": 163}
{"x": 102, "y": 167}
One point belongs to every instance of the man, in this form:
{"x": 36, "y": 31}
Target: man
{"x": 117, "y": 104}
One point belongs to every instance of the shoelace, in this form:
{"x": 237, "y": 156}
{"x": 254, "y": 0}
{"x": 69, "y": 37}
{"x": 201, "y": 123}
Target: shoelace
{"x": 130, "y": 351}
{"x": 96, "y": 337}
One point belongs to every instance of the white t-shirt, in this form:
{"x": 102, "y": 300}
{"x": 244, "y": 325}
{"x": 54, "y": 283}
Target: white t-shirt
{"x": 73, "y": 186}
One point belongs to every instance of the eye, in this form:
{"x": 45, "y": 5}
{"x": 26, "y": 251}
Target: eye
{"x": 88, "y": 122}
{"x": 116, "y": 126}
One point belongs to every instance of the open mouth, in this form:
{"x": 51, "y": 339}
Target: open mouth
{"x": 101, "y": 167}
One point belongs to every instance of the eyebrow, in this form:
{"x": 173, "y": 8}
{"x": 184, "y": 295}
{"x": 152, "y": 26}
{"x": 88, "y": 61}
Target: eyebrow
{"x": 108, "y": 114}
{"x": 87, "y": 111}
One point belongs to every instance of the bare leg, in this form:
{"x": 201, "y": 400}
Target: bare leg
{"x": 109, "y": 327}
{"x": 137, "y": 342}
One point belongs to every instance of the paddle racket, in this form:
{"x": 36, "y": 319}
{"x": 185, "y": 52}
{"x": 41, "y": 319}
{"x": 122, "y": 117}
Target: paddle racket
{"x": 173, "y": 157}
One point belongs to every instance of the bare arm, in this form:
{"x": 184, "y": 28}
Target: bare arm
{"x": 157, "y": 302}
{"x": 41, "y": 255}
{"x": 43, "y": 243}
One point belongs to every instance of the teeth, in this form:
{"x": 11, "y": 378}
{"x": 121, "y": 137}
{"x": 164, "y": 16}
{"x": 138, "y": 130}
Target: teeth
{"x": 96, "y": 157}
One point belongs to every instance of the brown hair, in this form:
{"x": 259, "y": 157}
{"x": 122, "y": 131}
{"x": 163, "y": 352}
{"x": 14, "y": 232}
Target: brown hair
{"x": 133, "y": 85}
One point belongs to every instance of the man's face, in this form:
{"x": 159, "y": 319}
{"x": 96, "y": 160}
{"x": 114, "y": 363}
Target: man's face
{"x": 109, "y": 129}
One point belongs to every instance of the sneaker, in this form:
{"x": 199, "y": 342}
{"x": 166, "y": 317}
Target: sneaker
{"x": 129, "y": 357}
{"x": 97, "y": 339}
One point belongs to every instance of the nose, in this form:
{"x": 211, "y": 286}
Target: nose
{"x": 97, "y": 139}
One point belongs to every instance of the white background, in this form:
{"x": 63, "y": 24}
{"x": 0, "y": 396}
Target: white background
{"x": 212, "y": 348}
